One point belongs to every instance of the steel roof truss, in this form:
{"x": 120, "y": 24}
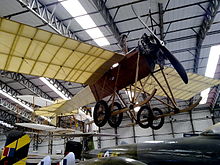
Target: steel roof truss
{"x": 25, "y": 82}
{"x": 48, "y": 17}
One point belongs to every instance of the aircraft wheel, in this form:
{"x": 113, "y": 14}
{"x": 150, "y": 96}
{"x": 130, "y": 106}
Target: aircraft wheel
{"x": 158, "y": 123}
{"x": 101, "y": 113}
{"x": 115, "y": 121}
{"x": 144, "y": 117}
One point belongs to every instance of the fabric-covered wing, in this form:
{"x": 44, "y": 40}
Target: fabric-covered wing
{"x": 47, "y": 128}
{"x": 48, "y": 111}
{"x": 28, "y": 50}
{"x": 196, "y": 84}
{"x": 84, "y": 97}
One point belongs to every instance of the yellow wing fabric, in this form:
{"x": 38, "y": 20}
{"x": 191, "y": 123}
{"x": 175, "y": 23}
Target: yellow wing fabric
{"x": 197, "y": 83}
{"x": 84, "y": 97}
{"x": 51, "y": 109}
{"x": 28, "y": 50}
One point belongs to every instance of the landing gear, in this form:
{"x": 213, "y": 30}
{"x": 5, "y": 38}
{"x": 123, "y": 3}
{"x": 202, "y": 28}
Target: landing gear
{"x": 115, "y": 120}
{"x": 101, "y": 113}
{"x": 157, "y": 123}
{"x": 144, "y": 117}
{"x": 147, "y": 118}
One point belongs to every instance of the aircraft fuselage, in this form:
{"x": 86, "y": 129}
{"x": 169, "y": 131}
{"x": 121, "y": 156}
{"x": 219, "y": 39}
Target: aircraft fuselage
{"x": 121, "y": 76}
{"x": 191, "y": 150}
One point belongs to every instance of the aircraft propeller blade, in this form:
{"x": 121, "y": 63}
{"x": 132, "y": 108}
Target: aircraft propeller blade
{"x": 176, "y": 64}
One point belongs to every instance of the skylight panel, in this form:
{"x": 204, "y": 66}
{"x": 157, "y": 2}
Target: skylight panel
{"x": 95, "y": 33}
{"x": 45, "y": 81}
{"x": 74, "y": 7}
{"x": 212, "y": 61}
{"x": 210, "y": 69}
{"x": 85, "y": 21}
{"x": 102, "y": 41}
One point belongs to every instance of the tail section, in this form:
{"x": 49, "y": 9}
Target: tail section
{"x": 45, "y": 161}
{"x": 16, "y": 149}
{"x": 69, "y": 159}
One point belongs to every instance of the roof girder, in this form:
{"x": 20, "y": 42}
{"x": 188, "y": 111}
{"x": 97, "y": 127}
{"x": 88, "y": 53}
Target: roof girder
{"x": 14, "y": 109}
{"x": 108, "y": 18}
{"x": 25, "y": 82}
{"x": 205, "y": 26}
{"x": 12, "y": 92}
{"x": 48, "y": 17}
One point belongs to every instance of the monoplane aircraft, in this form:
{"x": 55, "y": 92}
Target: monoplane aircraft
{"x": 201, "y": 149}
{"x": 28, "y": 50}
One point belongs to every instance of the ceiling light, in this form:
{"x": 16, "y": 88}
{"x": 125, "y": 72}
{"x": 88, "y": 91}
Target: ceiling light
{"x": 95, "y": 33}
{"x": 44, "y": 80}
{"x": 15, "y": 100}
{"x": 102, "y": 41}
{"x": 210, "y": 69}
{"x": 75, "y": 9}
{"x": 86, "y": 22}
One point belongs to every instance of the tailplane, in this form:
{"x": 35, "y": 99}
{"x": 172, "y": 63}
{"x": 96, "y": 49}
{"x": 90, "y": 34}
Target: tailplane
{"x": 16, "y": 148}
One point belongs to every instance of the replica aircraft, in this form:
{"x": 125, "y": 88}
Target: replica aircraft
{"x": 32, "y": 51}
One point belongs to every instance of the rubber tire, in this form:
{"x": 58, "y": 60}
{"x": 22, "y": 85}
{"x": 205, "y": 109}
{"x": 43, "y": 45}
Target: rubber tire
{"x": 158, "y": 126}
{"x": 139, "y": 117}
{"x": 106, "y": 113}
{"x": 119, "y": 116}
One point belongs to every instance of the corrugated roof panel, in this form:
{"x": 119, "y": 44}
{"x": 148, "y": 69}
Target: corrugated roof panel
{"x": 212, "y": 39}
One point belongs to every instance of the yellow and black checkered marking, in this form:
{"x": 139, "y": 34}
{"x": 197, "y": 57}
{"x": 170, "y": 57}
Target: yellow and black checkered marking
{"x": 16, "y": 150}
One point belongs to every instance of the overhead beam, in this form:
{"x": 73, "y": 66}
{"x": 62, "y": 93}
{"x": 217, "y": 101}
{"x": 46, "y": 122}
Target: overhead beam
{"x": 26, "y": 11}
{"x": 160, "y": 7}
{"x": 178, "y": 38}
{"x": 187, "y": 49}
{"x": 48, "y": 17}
{"x": 129, "y": 19}
{"x": 25, "y": 82}
{"x": 60, "y": 87}
{"x": 205, "y": 26}
{"x": 145, "y": 15}
{"x": 14, "y": 93}
{"x": 9, "y": 118}
{"x": 108, "y": 18}
{"x": 24, "y": 115}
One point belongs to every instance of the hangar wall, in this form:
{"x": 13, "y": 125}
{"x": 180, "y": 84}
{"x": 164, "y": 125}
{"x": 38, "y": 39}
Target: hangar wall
{"x": 173, "y": 127}
{"x": 58, "y": 146}
{"x": 2, "y": 141}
